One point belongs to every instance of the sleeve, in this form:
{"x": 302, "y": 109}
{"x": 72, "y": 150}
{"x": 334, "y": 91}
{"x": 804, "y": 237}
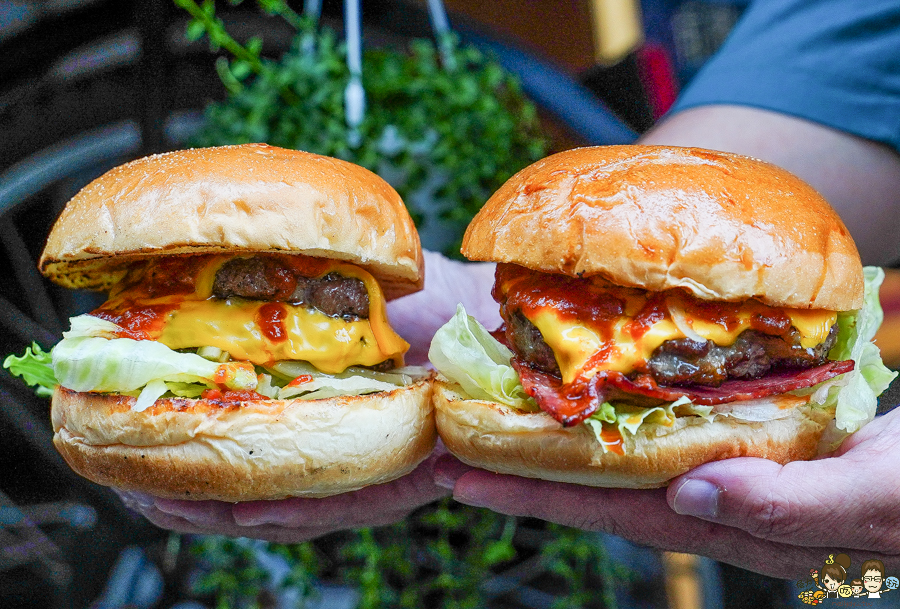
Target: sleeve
{"x": 834, "y": 62}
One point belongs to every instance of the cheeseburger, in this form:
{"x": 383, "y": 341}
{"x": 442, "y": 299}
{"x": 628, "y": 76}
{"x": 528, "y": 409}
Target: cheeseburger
{"x": 244, "y": 352}
{"x": 663, "y": 307}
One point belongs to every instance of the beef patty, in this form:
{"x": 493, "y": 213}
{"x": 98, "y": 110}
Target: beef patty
{"x": 685, "y": 361}
{"x": 265, "y": 278}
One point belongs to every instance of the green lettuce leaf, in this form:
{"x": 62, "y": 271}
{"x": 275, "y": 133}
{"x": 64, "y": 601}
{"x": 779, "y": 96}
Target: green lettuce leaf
{"x": 122, "y": 365}
{"x": 352, "y": 381}
{"x": 855, "y": 394}
{"x": 465, "y": 352}
{"x": 88, "y": 326}
{"x": 627, "y": 419}
{"x": 35, "y": 367}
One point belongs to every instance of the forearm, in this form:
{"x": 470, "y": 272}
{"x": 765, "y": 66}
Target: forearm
{"x": 859, "y": 177}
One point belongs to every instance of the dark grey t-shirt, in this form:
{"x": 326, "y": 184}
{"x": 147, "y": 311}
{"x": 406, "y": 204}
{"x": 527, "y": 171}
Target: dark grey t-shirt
{"x": 835, "y": 62}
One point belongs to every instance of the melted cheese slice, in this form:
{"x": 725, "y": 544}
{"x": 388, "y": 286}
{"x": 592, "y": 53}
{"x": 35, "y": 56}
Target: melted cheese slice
{"x": 583, "y": 349}
{"x": 233, "y": 325}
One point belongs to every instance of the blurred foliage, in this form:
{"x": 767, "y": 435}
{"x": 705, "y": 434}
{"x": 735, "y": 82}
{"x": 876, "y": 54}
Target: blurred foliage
{"x": 445, "y": 128}
{"x": 444, "y": 556}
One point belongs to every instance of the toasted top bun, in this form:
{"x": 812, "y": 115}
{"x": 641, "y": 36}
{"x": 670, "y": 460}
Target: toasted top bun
{"x": 248, "y": 198}
{"x": 724, "y": 226}
{"x": 267, "y": 449}
{"x": 532, "y": 444}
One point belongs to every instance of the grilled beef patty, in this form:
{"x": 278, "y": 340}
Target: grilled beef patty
{"x": 264, "y": 278}
{"x": 684, "y": 361}
{"x": 688, "y": 362}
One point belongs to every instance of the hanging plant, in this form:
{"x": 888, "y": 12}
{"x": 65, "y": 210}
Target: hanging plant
{"x": 445, "y": 129}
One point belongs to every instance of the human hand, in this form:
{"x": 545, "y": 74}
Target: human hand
{"x": 447, "y": 282}
{"x": 297, "y": 519}
{"x": 754, "y": 513}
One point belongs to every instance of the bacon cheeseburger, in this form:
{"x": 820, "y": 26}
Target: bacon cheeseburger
{"x": 663, "y": 307}
{"x": 244, "y": 352}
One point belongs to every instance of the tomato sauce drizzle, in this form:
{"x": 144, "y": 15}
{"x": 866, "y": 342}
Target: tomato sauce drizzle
{"x": 572, "y": 297}
{"x": 227, "y": 395}
{"x": 168, "y": 276}
{"x": 306, "y": 266}
{"x": 653, "y": 311}
{"x": 270, "y": 319}
{"x": 138, "y": 322}
{"x": 612, "y": 439}
{"x": 300, "y": 380}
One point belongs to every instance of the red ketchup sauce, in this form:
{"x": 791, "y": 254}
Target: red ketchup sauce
{"x": 306, "y": 266}
{"x": 138, "y": 322}
{"x": 227, "y": 395}
{"x": 653, "y": 311}
{"x": 169, "y": 276}
{"x": 300, "y": 380}
{"x": 612, "y": 439}
{"x": 270, "y": 319}
{"x": 573, "y": 298}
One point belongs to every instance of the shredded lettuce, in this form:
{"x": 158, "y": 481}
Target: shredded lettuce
{"x": 626, "y": 418}
{"x": 322, "y": 387}
{"x": 154, "y": 390}
{"x": 465, "y": 352}
{"x": 122, "y": 364}
{"x": 88, "y": 326}
{"x": 353, "y": 381}
{"x": 35, "y": 367}
{"x": 190, "y": 390}
{"x": 855, "y": 394}
{"x": 91, "y": 357}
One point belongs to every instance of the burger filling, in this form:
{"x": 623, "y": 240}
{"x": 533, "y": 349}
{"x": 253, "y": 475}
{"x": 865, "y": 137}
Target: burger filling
{"x": 620, "y": 359}
{"x": 262, "y": 309}
{"x": 232, "y": 328}
{"x": 266, "y": 278}
{"x": 686, "y": 361}
{"x": 580, "y": 341}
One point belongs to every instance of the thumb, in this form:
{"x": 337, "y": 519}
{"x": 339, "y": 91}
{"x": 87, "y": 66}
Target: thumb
{"x": 828, "y": 502}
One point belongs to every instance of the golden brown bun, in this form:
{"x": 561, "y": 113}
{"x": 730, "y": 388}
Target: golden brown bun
{"x": 267, "y": 449}
{"x": 500, "y": 439}
{"x": 249, "y": 198}
{"x": 724, "y": 226}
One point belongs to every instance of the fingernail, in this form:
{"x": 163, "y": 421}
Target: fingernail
{"x": 475, "y": 501}
{"x": 135, "y": 500}
{"x": 697, "y": 498}
{"x": 447, "y": 470}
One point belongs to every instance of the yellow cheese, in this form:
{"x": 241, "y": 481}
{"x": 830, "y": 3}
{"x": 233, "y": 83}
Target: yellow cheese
{"x": 584, "y": 349}
{"x": 814, "y": 325}
{"x": 330, "y": 344}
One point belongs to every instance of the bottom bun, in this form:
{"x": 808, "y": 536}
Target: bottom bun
{"x": 501, "y": 439}
{"x": 244, "y": 451}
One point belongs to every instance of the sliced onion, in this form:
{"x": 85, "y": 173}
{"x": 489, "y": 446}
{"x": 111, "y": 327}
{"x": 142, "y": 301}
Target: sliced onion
{"x": 681, "y": 321}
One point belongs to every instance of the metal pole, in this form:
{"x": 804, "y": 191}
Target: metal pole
{"x": 354, "y": 94}
{"x": 437, "y": 14}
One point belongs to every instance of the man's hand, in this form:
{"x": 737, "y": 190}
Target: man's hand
{"x": 447, "y": 282}
{"x": 753, "y": 513}
{"x": 298, "y": 519}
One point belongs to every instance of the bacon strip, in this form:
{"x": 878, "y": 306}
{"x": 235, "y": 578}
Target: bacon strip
{"x": 571, "y": 404}
{"x": 568, "y": 404}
